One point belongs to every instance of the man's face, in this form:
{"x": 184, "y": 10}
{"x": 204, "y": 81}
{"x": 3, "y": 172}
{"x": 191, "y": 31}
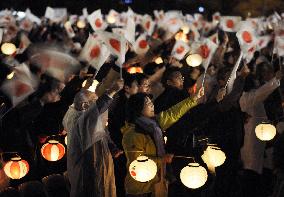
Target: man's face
{"x": 176, "y": 80}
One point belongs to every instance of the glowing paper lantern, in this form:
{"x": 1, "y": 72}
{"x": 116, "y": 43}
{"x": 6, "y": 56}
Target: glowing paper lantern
{"x": 185, "y": 29}
{"x": 265, "y": 131}
{"x": 81, "y": 24}
{"x": 213, "y": 156}
{"x": 181, "y": 36}
{"x": 143, "y": 169}
{"x": 52, "y": 150}
{"x": 159, "y": 60}
{"x": 111, "y": 19}
{"x": 65, "y": 139}
{"x": 93, "y": 87}
{"x": 84, "y": 83}
{"x": 194, "y": 60}
{"x": 8, "y": 48}
{"x": 11, "y": 75}
{"x": 16, "y": 168}
{"x": 133, "y": 70}
{"x": 193, "y": 176}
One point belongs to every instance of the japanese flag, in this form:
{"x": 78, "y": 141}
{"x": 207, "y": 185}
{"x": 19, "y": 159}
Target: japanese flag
{"x": 279, "y": 46}
{"x": 248, "y": 41}
{"x": 141, "y": 45}
{"x": 112, "y": 17}
{"x": 130, "y": 30}
{"x": 32, "y": 17}
{"x": 180, "y": 49}
{"x": 159, "y": 15}
{"x": 85, "y": 13}
{"x": 214, "y": 38}
{"x": 96, "y": 20}
{"x": 216, "y": 17}
{"x": 233, "y": 75}
{"x": 95, "y": 52}
{"x": 56, "y": 14}
{"x": 69, "y": 29}
{"x": 24, "y": 43}
{"x": 21, "y": 85}
{"x": 26, "y": 25}
{"x": 115, "y": 43}
{"x": 230, "y": 23}
{"x": 194, "y": 34}
{"x": 119, "y": 31}
{"x": 148, "y": 24}
{"x": 263, "y": 41}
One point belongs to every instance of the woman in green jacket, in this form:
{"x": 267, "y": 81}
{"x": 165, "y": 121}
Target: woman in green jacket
{"x": 143, "y": 135}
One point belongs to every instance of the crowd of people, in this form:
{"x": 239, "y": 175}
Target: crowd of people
{"x": 121, "y": 84}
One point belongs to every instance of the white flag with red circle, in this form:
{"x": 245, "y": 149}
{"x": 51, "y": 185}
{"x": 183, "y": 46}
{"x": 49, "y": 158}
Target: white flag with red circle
{"x": 230, "y": 23}
{"x": 263, "y": 41}
{"x": 32, "y": 17}
{"x": 21, "y": 85}
{"x": 194, "y": 33}
{"x": 115, "y": 43}
{"x": 26, "y": 25}
{"x": 24, "y": 43}
{"x": 94, "y": 52}
{"x": 96, "y": 20}
{"x": 141, "y": 45}
{"x": 214, "y": 38}
{"x": 216, "y": 17}
{"x": 148, "y": 24}
{"x": 130, "y": 30}
{"x": 180, "y": 49}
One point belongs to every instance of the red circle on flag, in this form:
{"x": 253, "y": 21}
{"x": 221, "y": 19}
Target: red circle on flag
{"x": 205, "y": 51}
{"x": 230, "y": 23}
{"x": 115, "y": 44}
{"x": 217, "y": 18}
{"x": 180, "y": 49}
{"x": 95, "y": 52}
{"x": 98, "y": 23}
{"x": 21, "y": 88}
{"x": 143, "y": 44}
{"x": 147, "y": 25}
{"x": 247, "y": 37}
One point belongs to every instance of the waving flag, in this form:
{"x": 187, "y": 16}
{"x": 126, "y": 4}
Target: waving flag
{"x": 230, "y": 23}
{"x": 141, "y": 45}
{"x": 233, "y": 75}
{"x": 180, "y": 49}
{"x": 263, "y": 41}
{"x": 148, "y": 24}
{"x": 32, "y": 17}
{"x": 26, "y": 25}
{"x": 130, "y": 30}
{"x": 94, "y": 52}
{"x": 24, "y": 43}
{"x": 56, "y": 14}
{"x": 96, "y": 20}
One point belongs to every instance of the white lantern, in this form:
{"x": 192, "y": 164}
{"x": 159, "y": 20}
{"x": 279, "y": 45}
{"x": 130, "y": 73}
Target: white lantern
{"x": 265, "y": 131}
{"x": 81, "y": 24}
{"x": 194, "y": 60}
{"x": 143, "y": 169}
{"x": 93, "y": 87}
{"x": 213, "y": 156}
{"x": 159, "y": 60}
{"x": 16, "y": 168}
{"x": 193, "y": 176}
{"x": 111, "y": 19}
{"x": 8, "y": 48}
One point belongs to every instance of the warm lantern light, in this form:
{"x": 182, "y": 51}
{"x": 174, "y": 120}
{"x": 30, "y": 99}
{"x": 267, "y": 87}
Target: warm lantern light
{"x": 165, "y": 139}
{"x": 265, "y": 131}
{"x": 193, "y": 176}
{"x": 185, "y": 29}
{"x": 159, "y": 60}
{"x": 11, "y": 75}
{"x": 181, "y": 36}
{"x": 143, "y": 169}
{"x": 16, "y": 168}
{"x": 194, "y": 60}
{"x": 65, "y": 139}
{"x": 213, "y": 156}
{"x": 133, "y": 70}
{"x": 81, "y": 24}
{"x": 111, "y": 19}
{"x": 8, "y": 48}
{"x": 84, "y": 83}
{"x": 93, "y": 87}
{"x": 52, "y": 150}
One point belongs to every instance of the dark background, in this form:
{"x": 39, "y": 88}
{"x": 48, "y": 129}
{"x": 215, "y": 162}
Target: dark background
{"x": 227, "y": 7}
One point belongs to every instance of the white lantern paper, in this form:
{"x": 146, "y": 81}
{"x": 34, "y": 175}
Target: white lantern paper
{"x": 65, "y": 139}
{"x": 193, "y": 176}
{"x": 213, "y": 156}
{"x": 81, "y": 24}
{"x": 8, "y": 48}
{"x": 143, "y": 169}
{"x": 265, "y": 131}
{"x": 194, "y": 60}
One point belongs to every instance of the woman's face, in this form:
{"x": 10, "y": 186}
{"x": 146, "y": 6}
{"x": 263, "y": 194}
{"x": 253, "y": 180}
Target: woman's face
{"x": 148, "y": 110}
{"x": 144, "y": 87}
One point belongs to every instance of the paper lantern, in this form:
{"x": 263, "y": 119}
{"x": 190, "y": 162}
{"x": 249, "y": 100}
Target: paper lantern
{"x": 81, "y": 24}
{"x": 65, "y": 139}
{"x": 185, "y": 29}
{"x": 84, "y": 83}
{"x": 159, "y": 60}
{"x": 8, "y": 48}
{"x": 213, "y": 156}
{"x": 111, "y": 19}
{"x": 193, "y": 176}
{"x": 16, "y": 168}
{"x": 194, "y": 60}
{"x": 265, "y": 131}
{"x": 181, "y": 36}
{"x": 143, "y": 169}
{"x": 133, "y": 70}
{"x": 52, "y": 150}
{"x": 11, "y": 75}
{"x": 93, "y": 87}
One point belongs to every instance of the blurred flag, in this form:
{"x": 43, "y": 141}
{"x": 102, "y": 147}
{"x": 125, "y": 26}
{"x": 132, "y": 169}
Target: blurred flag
{"x": 180, "y": 49}
{"x": 56, "y": 14}
{"x": 96, "y": 20}
{"x": 230, "y": 23}
{"x": 141, "y": 45}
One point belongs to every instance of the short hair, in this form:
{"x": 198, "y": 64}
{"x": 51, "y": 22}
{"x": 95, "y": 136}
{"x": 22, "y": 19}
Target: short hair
{"x": 221, "y": 75}
{"x": 80, "y": 97}
{"x": 140, "y": 77}
{"x": 168, "y": 74}
{"x": 129, "y": 79}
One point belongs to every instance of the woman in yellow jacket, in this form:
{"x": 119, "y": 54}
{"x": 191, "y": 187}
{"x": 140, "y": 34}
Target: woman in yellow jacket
{"x": 143, "y": 133}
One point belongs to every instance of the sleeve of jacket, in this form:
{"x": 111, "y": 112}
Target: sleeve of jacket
{"x": 172, "y": 115}
{"x": 250, "y": 99}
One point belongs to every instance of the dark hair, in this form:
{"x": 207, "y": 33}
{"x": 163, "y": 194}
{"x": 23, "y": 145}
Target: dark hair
{"x": 263, "y": 68}
{"x": 140, "y": 77}
{"x": 221, "y": 75}
{"x": 249, "y": 83}
{"x": 134, "y": 106}
{"x": 168, "y": 74}
{"x": 129, "y": 79}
